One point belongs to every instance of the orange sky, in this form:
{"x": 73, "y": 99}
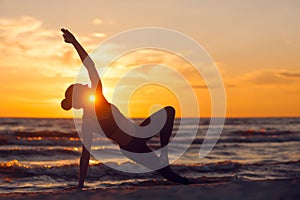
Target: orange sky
{"x": 255, "y": 45}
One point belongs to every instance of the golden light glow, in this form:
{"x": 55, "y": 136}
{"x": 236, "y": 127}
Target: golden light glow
{"x": 92, "y": 98}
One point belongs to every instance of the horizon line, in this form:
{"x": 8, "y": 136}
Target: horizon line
{"x": 206, "y": 117}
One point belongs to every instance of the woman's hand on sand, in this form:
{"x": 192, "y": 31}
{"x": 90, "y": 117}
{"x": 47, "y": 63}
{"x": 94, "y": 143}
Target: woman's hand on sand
{"x": 68, "y": 36}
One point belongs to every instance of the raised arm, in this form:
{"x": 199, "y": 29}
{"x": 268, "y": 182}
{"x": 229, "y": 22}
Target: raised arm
{"x": 85, "y": 58}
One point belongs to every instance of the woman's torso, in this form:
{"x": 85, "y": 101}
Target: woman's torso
{"x": 114, "y": 124}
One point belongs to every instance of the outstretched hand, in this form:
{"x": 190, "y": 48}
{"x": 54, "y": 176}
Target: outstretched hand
{"x": 68, "y": 36}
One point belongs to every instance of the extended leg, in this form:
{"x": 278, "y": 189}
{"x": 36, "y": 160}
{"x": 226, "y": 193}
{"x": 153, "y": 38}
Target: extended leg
{"x": 151, "y": 161}
{"x": 169, "y": 174}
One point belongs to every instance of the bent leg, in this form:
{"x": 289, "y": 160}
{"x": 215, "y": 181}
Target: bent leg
{"x": 165, "y": 133}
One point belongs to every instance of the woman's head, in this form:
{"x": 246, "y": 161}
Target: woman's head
{"x": 75, "y": 96}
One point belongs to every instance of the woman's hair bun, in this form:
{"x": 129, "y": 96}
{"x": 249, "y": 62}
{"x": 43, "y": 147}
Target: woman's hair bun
{"x": 66, "y": 104}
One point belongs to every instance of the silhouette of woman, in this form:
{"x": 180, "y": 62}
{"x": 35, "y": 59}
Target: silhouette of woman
{"x": 109, "y": 117}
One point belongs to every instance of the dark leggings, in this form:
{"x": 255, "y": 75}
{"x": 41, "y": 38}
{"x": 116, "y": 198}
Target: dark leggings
{"x": 138, "y": 145}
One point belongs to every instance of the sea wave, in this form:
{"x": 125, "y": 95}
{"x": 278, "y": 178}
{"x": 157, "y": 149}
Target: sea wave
{"x": 254, "y": 137}
{"x": 41, "y": 133}
{"x": 40, "y": 142}
{"x": 69, "y": 171}
{"x": 262, "y": 132}
{"x": 38, "y": 152}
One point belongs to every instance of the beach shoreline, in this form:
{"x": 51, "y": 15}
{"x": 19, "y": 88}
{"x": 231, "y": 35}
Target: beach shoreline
{"x": 265, "y": 189}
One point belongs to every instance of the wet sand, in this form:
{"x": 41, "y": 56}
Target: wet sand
{"x": 267, "y": 189}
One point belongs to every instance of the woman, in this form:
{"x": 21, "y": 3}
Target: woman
{"x": 115, "y": 125}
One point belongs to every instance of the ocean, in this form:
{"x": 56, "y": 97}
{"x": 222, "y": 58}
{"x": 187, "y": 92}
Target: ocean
{"x": 43, "y": 154}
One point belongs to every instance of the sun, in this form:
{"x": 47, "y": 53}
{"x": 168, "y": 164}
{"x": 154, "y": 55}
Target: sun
{"x": 92, "y": 98}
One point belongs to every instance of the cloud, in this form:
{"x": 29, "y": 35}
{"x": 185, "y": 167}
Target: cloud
{"x": 158, "y": 57}
{"x": 97, "y": 21}
{"x": 16, "y": 27}
{"x": 99, "y": 35}
{"x": 26, "y": 43}
{"x": 289, "y": 74}
{"x": 36, "y": 65}
{"x": 230, "y": 85}
{"x": 25, "y": 38}
{"x": 199, "y": 86}
{"x": 268, "y": 77}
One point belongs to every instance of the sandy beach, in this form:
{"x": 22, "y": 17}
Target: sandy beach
{"x": 267, "y": 189}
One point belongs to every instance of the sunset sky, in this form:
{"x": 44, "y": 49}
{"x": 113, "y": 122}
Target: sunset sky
{"x": 255, "y": 45}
